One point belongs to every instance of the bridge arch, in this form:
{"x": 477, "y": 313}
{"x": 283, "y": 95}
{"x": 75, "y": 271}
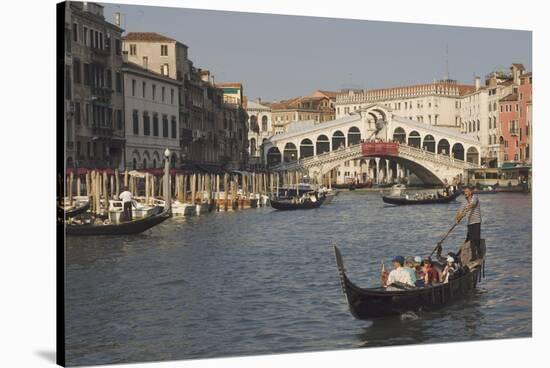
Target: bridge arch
{"x": 322, "y": 144}
{"x": 443, "y": 147}
{"x": 354, "y": 136}
{"x": 458, "y": 151}
{"x": 273, "y": 156}
{"x": 338, "y": 140}
{"x": 472, "y": 155}
{"x": 399, "y": 135}
{"x": 429, "y": 143}
{"x": 414, "y": 139}
{"x": 290, "y": 153}
{"x": 306, "y": 148}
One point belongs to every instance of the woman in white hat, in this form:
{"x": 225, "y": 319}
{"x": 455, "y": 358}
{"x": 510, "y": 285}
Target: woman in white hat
{"x": 450, "y": 269}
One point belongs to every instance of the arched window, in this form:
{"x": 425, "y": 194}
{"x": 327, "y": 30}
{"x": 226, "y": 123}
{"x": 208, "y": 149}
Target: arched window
{"x": 429, "y": 143}
{"x": 458, "y": 151}
{"x": 264, "y": 123}
{"x": 253, "y": 147}
{"x": 338, "y": 140}
{"x": 290, "y": 153}
{"x": 414, "y": 139}
{"x": 443, "y": 147}
{"x": 273, "y": 156}
{"x": 322, "y": 145}
{"x": 354, "y": 136}
{"x": 306, "y": 148}
{"x": 472, "y": 155}
{"x": 399, "y": 135}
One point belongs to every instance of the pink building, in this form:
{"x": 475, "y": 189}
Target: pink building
{"x": 515, "y": 118}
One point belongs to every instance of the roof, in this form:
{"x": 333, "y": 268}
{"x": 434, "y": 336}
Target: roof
{"x": 329, "y": 94}
{"x": 294, "y": 103}
{"x": 233, "y": 85}
{"x": 136, "y": 67}
{"x": 519, "y": 66}
{"x": 510, "y": 97}
{"x": 147, "y": 37}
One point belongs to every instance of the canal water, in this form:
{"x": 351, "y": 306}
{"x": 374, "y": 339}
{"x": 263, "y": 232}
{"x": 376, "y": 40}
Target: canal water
{"x": 262, "y": 281}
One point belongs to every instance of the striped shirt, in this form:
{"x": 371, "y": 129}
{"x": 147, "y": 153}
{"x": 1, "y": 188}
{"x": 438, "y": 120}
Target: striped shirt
{"x": 473, "y": 214}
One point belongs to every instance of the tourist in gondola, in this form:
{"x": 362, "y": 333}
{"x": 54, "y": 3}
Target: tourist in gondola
{"x": 431, "y": 276}
{"x": 398, "y": 274}
{"x": 126, "y": 197}
{"x": 471, "y": 210}
{"x": 450, "y": 270}
{"x": 410, "y": 268}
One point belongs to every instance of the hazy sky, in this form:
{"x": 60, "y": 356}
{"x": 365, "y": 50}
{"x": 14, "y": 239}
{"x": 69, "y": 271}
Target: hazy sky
{"x": 278, "y": 56}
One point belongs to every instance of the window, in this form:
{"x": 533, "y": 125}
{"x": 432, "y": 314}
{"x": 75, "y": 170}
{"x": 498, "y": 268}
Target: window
{"x": 165, "y": 126}
{"x": 145, "y": 62}
{"x": 143, "y": 88}
{"x": 163, "y": 50}
{"x": 164, "y": 69}
{"x": 76, "y": 71}
{"x": 119, "y": 119}
{"x": 146, "y": 124}
{"x": 68, "y": 82}
{"x": 133, "y": 49}
{"x": 133, "y": 87}
{"x": 118, "y": 82}
{"x": 85, "y": 37}
{"x": 101, "y": 40}
{"x": 88, "y": 114}
{"x": 155, "y": 125}
{"x": 75, "y": 32}
{"x": 154, "y": 89}
{"x": 135, "y": 119}
{"x": 87, "y": 74}
{"x": 77, "y": 113}
{"x": 172, "y": 96}
{"x": 118, "y": 49}
{"x": 174, "y": 127}
{"x": 501, "y": 109}
{"x": 162, "y": 93}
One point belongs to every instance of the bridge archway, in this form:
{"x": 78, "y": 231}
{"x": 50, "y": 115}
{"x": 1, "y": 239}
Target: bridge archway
{"x": 354, "y": 136}
{"x": 306, "y": 148}
{"x": 414, "y": 139}
{"x": 472, "y": 155}
{"x": 273, "y": 156}
{"x": 322, "y": 145}
{"x": 290, "y": 153}
{"x": 338, "y": 139}
{"x": 429, "y": 143}
{"x": 458, "y": 151}
{"x": 443, "y": 147}
{"x": 399, "y": 135}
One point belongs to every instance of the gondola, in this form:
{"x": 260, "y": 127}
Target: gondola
{"x": 73, "y": 211}
{"x": 287, "y": 205}
{"x": 123, "y": 228}
{"x": 372, "y": 303}
{"x": 400, "y": 201}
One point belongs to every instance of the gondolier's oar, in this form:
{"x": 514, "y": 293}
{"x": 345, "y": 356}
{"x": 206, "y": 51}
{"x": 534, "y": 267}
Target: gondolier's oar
{"x": 445, "y": 237}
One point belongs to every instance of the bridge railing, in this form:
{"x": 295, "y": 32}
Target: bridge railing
{"x": 376, "y": 149}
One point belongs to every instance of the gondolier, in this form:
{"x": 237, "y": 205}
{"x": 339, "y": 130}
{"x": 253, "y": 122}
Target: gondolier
{"x": 126, "y": 198}
{"x": 471, "y": 210}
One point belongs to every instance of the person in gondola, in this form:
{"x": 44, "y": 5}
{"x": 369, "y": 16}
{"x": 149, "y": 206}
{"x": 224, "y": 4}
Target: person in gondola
{"x": 450, "y": 270}
{"x": 398, "y": 275}
{"x": 126, "y": 197}
{"x": 431, "y": 276}
{"x": 471, "y": 210}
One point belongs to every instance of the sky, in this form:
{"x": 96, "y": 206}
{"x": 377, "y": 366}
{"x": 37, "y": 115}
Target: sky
{"x": 279, "y": 57}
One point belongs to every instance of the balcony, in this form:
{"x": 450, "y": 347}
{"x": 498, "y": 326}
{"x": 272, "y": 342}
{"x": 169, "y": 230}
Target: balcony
{"x": 102, "y": 131}
{"x": 514, "y": 131}
{"x": 100, "y": 54}
{"x": 103, "y": 92}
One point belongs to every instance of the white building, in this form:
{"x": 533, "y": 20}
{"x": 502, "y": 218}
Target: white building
{"x": 434, "y": 103}
{"x": 259, "y": 128}
{"x": 151, "y": 111}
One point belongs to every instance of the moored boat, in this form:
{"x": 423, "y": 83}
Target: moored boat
{"x": 371, "y": 303}
{"x": 313, "y": 201}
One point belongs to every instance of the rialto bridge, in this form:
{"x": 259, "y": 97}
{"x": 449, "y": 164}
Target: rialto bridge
{"x": 432, "y": 153}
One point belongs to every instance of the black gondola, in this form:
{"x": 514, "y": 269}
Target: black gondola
{"x": 400, "y": 201}
{"x": 288, "y": 205}
{"x": 123, "y": 228}
{"x": 73, "y": 211}
{"x": 377, "y": 302}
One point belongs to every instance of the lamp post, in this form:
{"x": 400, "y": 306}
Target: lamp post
{"x": 167, "y": 199}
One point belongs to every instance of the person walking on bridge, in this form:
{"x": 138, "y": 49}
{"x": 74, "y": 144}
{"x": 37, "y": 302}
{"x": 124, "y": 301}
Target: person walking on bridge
{"x": 472, "y": 211}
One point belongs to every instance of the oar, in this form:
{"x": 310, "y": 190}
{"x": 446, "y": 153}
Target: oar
{"x": 445, "y": 237}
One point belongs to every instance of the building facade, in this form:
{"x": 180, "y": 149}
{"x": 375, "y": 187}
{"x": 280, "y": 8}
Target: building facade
{"x": 317, "y": 107}
{"x": 151, "y": 110}
{"x": 434, "y": 103}
{"x": 259, "y": 129}
{"x": 516, "y": 120}
{"x": 235, "y": 125}
{"x": 94, "y": 108}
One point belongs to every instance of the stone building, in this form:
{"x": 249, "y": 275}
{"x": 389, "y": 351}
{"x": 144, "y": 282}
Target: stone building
{"x": 317, "y": 107}
{"x": 259, "y": 129}
{"x": 151, "y": 110}
{"x": 435, "y": 103}
{"x": 235, "y": 126}
{"x": 94, "y": 118}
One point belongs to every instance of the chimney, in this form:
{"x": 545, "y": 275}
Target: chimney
{"x": 477, "y": 83}
{"x": 117, "y": 19}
